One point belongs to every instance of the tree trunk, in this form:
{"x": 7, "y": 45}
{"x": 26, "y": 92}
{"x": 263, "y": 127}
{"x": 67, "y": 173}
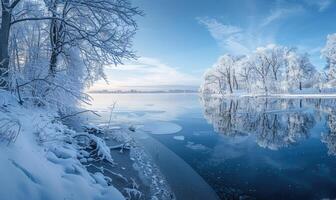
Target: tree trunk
{"x": 53, "y": 63}
{"x": 300, "y": 103}
{"x": 300, "y": 86}
{"x": 53, "y": 43}
{"x": 228, "y": 77}
{"x": 275, "y": 76}
{"x": 4, "y": 42}
{"x": 236, "y": 82}
{"x": 265, "y": 86}
{"x": 230, "y": 85}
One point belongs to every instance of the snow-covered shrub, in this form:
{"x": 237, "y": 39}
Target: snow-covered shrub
{"x": 100, "y": 149}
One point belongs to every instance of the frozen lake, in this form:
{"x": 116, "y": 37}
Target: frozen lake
{"x": 253, "y": 147}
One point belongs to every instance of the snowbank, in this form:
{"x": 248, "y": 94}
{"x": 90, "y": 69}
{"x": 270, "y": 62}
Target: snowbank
{"x": 42, "y": 163}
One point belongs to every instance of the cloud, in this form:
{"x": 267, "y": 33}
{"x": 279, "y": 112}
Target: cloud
{"x": 281, "y": 13}
{"x": 234, "y": 39}
{"x": 219, "y": 30}
{"x": 145, "y": 72}
{"x": 322, "y": 5}
{"x": 242, "y": 40}
{"x": 229, "y": 37}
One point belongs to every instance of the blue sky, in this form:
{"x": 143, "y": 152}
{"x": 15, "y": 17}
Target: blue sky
{"x": 178, "y": 39}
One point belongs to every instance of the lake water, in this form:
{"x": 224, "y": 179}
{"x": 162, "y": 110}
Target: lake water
{"x": 255, "y": 148}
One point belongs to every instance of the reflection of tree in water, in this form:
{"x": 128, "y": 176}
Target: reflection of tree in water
{"x": 330, "y": 138}
{"x": 329, "y": 107}
{"x": 282, "y": 130}
{"x": 275, "y": 123}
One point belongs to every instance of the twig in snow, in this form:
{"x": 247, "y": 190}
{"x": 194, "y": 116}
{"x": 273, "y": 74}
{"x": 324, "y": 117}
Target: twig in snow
{"x": 80, "y": 112}
{"x": 109, "y": 122}
{"x": 9, "y": 130}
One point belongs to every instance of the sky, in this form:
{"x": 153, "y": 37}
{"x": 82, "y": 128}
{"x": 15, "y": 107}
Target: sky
{"x": 178, "y": 40}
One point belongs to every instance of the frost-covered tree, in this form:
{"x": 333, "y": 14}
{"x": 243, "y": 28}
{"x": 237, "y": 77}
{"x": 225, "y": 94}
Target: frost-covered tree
{"x": 329, "y": 52}
{"x": 51, "y": 50}
{"x": 101, "y": 30}
{"x": 7, "y": 7}
{"x": 268, "y": 65}
{"x": 300, "y": 70}
{"x": 245, "y": 73}
{"x": 223, "y": 75}
{"x": 269, "y": 69}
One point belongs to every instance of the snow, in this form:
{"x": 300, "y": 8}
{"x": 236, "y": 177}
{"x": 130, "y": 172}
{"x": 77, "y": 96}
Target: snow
{"x": 103, "y": 150}
{"x": 161, "y": 127}
{"x": 40, "y": 164}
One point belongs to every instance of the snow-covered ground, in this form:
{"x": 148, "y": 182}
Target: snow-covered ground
{"x": 41, "y": 158}
{"x": 40, "y": 161}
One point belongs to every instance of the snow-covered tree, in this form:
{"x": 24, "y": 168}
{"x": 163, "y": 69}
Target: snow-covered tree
{"x": 300, "y": 70}
{"x": 268, "y": 65}
{"x": 269, "y": 69}
{"x": 52, "y": 47}
{"x": 329, "y": 52}
{"x": 245, "y": 73}
{"x": 7, "y": 7}
{"x": 101, "y": 30}
{"x": 223, "y": 75}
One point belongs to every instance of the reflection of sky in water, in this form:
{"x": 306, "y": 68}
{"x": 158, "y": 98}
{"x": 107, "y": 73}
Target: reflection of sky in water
{"x": 143, "y": 107}
{"x": 266, "y": 150}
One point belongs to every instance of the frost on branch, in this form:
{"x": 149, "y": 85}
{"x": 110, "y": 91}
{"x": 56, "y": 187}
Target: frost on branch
{"x": 95, "y": 145}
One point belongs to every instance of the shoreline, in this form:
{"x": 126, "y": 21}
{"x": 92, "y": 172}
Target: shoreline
{"x": 287, "y": 95}
{"x": 133, "y": 172}
{"x": 148, "y": 164}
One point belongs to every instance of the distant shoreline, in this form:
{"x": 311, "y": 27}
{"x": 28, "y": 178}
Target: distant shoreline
{"x": 285, "y": 95}
{"x": 141, "y": 92}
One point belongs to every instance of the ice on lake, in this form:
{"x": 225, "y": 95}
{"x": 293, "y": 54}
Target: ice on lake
{"x": 161, "y": 127}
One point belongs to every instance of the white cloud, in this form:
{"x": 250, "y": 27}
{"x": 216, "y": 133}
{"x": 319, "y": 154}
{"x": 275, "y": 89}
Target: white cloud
{"x": 234, "y": 39}
{"x": 281, "y": 13}
{"x": 145, "y": 72}
{"x": 322, "y": 5}
{"x": 231, "y": 38}
{"x": 218, "y": 30}
{"x": 243, "y": 40}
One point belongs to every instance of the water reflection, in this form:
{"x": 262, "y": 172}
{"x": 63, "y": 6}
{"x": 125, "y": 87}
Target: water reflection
{"x": 330, "y": 138}
{"x": 275, "y": 123}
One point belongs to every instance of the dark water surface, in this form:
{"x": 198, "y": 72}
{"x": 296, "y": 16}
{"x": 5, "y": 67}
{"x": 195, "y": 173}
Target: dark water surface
{"x": 255, "y": 148}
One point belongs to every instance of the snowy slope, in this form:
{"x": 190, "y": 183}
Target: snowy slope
{"x": 39, "y": 164}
